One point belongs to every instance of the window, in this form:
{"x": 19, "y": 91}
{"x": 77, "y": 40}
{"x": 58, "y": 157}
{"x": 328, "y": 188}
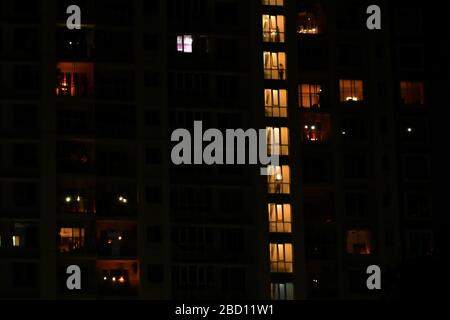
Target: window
{"x": 316, "y": 127}
{"x": 152, "y": 156}
{"x": 275, "y": 102}
{"x": 71, "y": 239}
{"x": 151, "y": 42}
{"x": 420, "y": 243}
{"x": 281, "y": 257}
{"x": 279, "y": 180}
{"x": 411, "y": 92}
{"x": 273, "y": 28}
{"x": 310, "y": 20}
{"x": 152, "y": 79}
{"x": 153, "y": 194}
{"x": 154, "y": 234}
{"x": 356, "y": 204}
{"x": 359, "y": 242}
{"x": 275, "y": 65}
{"x": 25, "y": 40}
{"x": 280, "y": 218}
{"x": 418, "y": 205}
{"x": 273, "y": 2}
{"x": 355, "y": 166}
{"x": 26, "y": 155}
{"x": 282, "y": 291}
{"x": 25, "y": 116}
{"x": 351, "y": 90}
{"x": 152, "y": 118}
{"x": 184, "y": 43}
{"x": 24, "y": 194}
{"x": 309, "y": 96}
{"x": 17, "y": 241}
{"x": 416, "y": 167}
{"x": 25, "y": 275}
{"x": 192, "y": 276}
{"x": 277, "y": 141}
{"x": 26, "y": 77}
{"x": 74, "y": 79}
{"x": 155, "y": 273}
{"x": 233, "y": 279}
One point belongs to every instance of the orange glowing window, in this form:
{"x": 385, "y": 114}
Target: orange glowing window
{"x": 309, "y": 96}
{"x": 274, "y": 65}
{"x": 359, "y": 242}
{"x": 275, "y": 102}
{"x": 280, "y": 218}
{"x": 279, "y": 180}
{"x": 281, "y": 258}
{"x": 71, "y": 239}
{"x": 273, "y": 28}
{"x": 351, "y": 90}
{"x": 74, "y": 79}
{"x": 411, "y": 92}
{"x": 277, "y": 141}
{"x": 273, "y": 2}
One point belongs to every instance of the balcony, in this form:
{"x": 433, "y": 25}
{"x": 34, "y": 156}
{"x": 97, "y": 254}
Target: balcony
{"x": 316, "y": 128}
{"x": 116, "y": 239}
{"x": 77, "y": 196}
{"x": 75, "y": 157}
{"x": 74, "y": 79}
{"x": 310, "y": 20}
{"x": 117, "y": 278}
{"x": 75, "y": 44}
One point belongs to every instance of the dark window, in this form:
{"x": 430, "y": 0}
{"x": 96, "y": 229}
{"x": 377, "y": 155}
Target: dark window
{"x": 155, "y": 273}
{"x": 154, "y": 234}
{"x": 24, "y": 194}
{"x": 151, "y": 79}
{"x": 25, "y": 77}
{"x": 26, "y": 155}
{"x": 227, "y": 12}
{"x": 152, "y": 118}
{"x": 356, "y": 204}
{"x": 153, "y": 194}
{"x": 416, "y": 167}
{"x": 355, "y": 166}
{"x": 233, "y": 278}
{"x": 25, "y": 116}
{"x": 25, "y": 275}
{"x": 25, "y": 40}
{"x": 152, "y": 156}
{"x": 151, "y": 41}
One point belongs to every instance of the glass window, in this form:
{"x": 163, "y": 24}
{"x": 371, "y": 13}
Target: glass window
{"x": 277, "y": 141}
{"x": 74, "y": 79}
{"x": 411, "y": 92}
{"x": 420, "y": 243}
{"x": 280, "y": 218}
{"x": 351, "y": 90}
{"x": 184, "y": 43}
{"x": 359, "y": 242}
{"x": 273, "y": 2}
{"x": 273, "y": 28}
{"x": 275, "y": 102}
{"x": 279, "y": 180}
{"x": 71, "y": 239}
{"x": 282, "y": 291}
{"x": 281, "y": 257}
{"x": 274, "y": 65}
{"x": 309, "y": 96}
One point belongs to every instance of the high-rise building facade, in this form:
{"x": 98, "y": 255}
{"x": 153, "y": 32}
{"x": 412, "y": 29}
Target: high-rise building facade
{"x": 86, "y": 176}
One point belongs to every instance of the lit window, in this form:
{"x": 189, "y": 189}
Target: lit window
{"x": 308, "y": 23}
{"x": 273, "y": 28}
{"x": 74, "y": 79}
{"x": 273, "y": 2}
{"x": 309, "y": 96}
{"x": 316, "y": 127}
{"x": 351, "y": 90}
{"x": 275, "y": 65}
{"x": 71, "y": 239}
{"x": 281, "y": 257}
{"x": 275, "y": 102}
{"x": 411, "y": 92}
{"x": 16, "y": 241}
{"x": 282, "y": 291}
{"x": 184, "y": 43}
{"x": 279, "y": 180}
{"x": 359, "y": 242}
{"x": 280, "y": 219}
{"x": 277, "y": 141}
